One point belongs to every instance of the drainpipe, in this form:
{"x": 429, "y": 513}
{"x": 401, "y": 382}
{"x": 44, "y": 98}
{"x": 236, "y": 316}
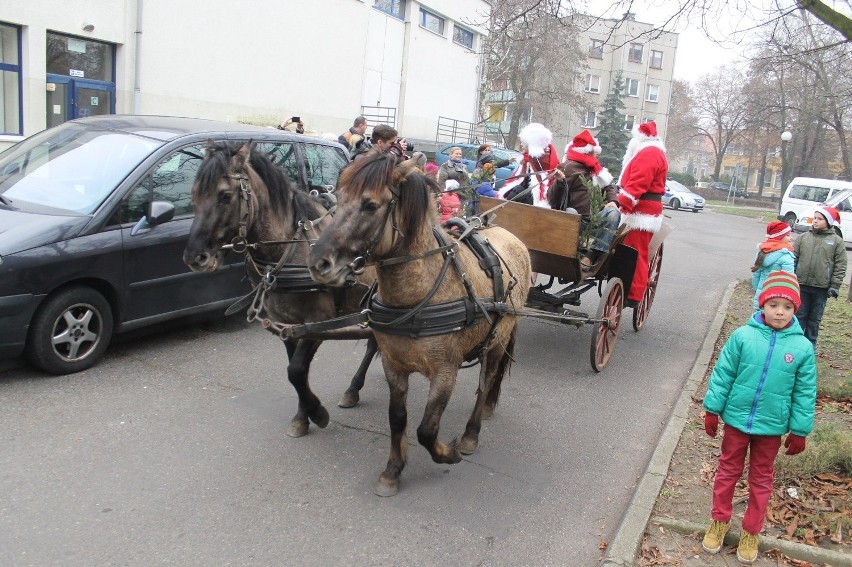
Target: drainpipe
{"x": 137, "y": 91}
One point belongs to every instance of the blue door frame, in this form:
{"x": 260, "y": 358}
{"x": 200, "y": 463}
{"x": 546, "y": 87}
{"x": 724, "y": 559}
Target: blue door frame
{"x": 73, "y": 102}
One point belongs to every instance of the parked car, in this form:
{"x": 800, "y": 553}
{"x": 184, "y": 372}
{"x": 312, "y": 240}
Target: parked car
{"x": 94, "y": 216}
{"x": 469, "y": 158}
{"x": 702, "y": 184}
{"x": 726, "y": 189}
{"x": 678, "y": 196}
{"x": 804, "y": 193}
{"x": 842, "y": 201}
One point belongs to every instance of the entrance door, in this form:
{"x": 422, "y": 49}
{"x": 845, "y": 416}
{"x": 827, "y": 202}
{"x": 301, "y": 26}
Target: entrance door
{"x": 69, "y": 98}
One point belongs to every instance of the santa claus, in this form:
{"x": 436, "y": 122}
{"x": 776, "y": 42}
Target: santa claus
{"x": 643, "y": 183}
{"x": 536, "y": 168}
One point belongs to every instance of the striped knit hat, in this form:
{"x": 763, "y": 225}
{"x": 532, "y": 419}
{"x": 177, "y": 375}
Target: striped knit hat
{"x": 780, "y": 284}
{"x": 776, "y": 230}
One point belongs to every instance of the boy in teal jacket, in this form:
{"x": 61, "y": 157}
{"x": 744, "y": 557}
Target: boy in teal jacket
{"x": 763, "y": 386}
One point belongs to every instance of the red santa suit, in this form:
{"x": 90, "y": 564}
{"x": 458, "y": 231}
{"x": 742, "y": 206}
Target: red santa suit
{"x": 540, "y": 159}
{"x": 643, "y": 182}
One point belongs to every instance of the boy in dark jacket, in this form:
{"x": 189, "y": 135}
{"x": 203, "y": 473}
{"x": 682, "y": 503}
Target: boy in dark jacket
{"x": 820, "y": 266}
{"x": 763, "y": 386}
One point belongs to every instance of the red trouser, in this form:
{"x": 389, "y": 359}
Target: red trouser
{"x": 641, "y": 241}
{"x": 761, "y": 472}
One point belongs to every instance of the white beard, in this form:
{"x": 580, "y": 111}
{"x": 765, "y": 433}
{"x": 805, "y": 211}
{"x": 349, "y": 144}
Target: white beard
{"x": 633, "y": 147}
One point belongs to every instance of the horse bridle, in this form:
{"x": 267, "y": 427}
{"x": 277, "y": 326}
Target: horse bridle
{"x": 359, "y": 263}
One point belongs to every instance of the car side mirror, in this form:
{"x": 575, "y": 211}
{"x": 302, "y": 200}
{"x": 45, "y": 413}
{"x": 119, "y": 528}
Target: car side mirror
{"x": 158, "y": 213}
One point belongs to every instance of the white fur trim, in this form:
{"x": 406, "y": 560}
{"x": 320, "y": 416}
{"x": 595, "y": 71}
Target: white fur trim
{"x": 628, "y": 196}
{"x": 635, "y": 146}
{"x": 603, "y": 178}
{"x": 536, "y": 137}
{"x": 639, "y": 221}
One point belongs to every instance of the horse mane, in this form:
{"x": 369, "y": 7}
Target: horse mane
{"x": 217, "y": 163}
{"x": 415, "y": 190}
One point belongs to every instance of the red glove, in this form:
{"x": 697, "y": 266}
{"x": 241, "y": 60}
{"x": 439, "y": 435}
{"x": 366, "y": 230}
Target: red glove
{"x": 711, "y": 424}
{"x": 795, "y": 444}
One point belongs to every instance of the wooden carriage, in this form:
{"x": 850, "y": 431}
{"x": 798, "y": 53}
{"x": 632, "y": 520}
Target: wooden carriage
{"x": 553, "y": 240}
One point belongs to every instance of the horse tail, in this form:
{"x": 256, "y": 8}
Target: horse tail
{"x": 503, "y": 369}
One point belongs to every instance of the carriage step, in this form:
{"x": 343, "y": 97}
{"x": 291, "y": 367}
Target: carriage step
{"x": 540, "y": 297}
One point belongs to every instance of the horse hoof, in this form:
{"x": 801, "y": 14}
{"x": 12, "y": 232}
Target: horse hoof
{"x": 297, "y": 429}
{"x": 349, "y": 399}
{"x": 385, "y": 488}
{"x": 320, "y": 417}
{"x": 467, "y": 445}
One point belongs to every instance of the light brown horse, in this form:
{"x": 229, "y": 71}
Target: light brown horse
{"x": 386, "y": 215}
{"x": 239, "y": 193}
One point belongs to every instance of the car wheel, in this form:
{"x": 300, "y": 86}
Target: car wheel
{"x": 790, "y": 219}
{"x": 675, "y": 204}
{"x": 695, "y": 210}
{"x": 70, "y": 331}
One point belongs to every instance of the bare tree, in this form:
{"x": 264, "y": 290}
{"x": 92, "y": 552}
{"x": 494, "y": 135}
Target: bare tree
{"x": 683, "y": 123}
{"x": 721, "y": 107}
{"x": 533, "y": 62}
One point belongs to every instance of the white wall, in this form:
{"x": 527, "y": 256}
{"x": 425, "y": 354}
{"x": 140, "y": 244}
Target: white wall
{"x": 244, "y": 60}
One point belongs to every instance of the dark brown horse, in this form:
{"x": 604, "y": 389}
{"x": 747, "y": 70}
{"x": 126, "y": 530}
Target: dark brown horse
{"x": 386, "y": 215}
{"x": 240, "y": 194}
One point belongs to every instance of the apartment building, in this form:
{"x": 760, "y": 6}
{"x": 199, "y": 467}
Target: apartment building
{"x": 646, "y": 60}
{"x": 403, "y": 62}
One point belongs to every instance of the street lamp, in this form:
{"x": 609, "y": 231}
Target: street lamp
{"x": 786, "y": 136}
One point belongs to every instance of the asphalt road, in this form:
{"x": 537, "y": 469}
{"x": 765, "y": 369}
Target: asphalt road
{"x": 172, "y": 450}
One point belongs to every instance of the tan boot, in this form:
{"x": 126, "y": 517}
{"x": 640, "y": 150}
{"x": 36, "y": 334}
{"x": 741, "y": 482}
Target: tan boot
{"x": 747, "y": 549}
{"x": 715, "y": 536}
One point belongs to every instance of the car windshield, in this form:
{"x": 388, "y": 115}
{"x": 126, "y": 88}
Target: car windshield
{"x": 839, "y": 197}
{"x": 70, "y": 168}
{"x": 677, "y": 187}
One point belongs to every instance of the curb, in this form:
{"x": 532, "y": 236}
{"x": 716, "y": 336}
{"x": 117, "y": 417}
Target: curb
{"x": 624, "y": 547}
{"x": 791, "y": 549}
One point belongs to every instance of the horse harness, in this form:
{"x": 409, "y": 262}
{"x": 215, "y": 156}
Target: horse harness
{"x": 427, "y": 320}
{"x": 275, "y": 277}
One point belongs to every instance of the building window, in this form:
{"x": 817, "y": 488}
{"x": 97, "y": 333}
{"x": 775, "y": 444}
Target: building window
{"x": 596, "y": 49}
{"x": 635, "y": 53}
{"x": 631, "y": 87}
{"x": 10, "y": 80}
{"x": 463, "y": 36}
{"x": 395, "y": 8}
{"x": 656, "y": 61}
{"x": 647, "y": 119}
{"x": 653, "y": 93}
{"x": 590, "y": 120}
{"x": 593, "y": 84}
{"x": 431, "y": 22}
{"x": 629, "y": 121}
{"x": 81, "y": 58}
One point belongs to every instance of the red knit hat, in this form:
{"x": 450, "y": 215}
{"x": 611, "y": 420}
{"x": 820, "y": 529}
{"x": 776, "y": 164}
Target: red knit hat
{"x": 832, "y": 216}
{"x": 780, "y": 284}
{"x": 776, "y": 230}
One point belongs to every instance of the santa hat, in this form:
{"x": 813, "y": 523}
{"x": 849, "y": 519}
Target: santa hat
{"x": 831, "y": 215}
{"x": 451, "y": 185}
{"x": 647, "y": 130}
{"x": 780, "y": 284}
{"x": 536, "y": 137}
{"x": 584, "y": 143}
{"x": 776, "y": 230}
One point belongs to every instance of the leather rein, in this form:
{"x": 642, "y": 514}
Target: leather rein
{"x": 281, "y": 276}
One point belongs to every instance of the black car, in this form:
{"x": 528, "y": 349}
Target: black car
{"x": 726, "y": 188}
{"x": 94, "y": 216}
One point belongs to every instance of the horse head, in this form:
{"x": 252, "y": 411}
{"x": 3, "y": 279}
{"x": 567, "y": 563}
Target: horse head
{"x": 224, "y": 205}
{"x": 382, "y": 207}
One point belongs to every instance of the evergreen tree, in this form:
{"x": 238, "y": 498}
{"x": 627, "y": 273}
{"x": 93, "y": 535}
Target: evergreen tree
{"x": 611, "y": 136}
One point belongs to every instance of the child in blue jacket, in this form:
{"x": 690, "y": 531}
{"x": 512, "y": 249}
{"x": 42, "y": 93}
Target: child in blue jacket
{"x": 763, "y": 386}
{"x": 773, "y": 254}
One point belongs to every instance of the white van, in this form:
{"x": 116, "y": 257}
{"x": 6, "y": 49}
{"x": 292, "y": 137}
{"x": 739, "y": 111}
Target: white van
{"x": 842, "y": 201}
{"x": 805, "y": 193}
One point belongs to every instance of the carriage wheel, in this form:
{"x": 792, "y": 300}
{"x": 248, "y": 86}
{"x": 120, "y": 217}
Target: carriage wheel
{"x": 605, "y": 333}
{"x": 640, "y": 313}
